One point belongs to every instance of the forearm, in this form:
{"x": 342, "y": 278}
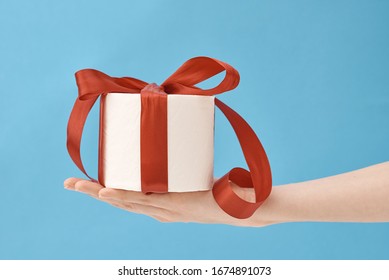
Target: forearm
{"x": 357, "y": 196}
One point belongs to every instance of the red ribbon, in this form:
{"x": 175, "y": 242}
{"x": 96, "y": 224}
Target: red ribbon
{"x": 153, "y": 141}
{"x": 92, "y": 84}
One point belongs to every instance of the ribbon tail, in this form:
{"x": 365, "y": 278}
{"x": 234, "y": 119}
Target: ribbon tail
{"x": 259, "y": 178}
{"x": 75, "y": 127}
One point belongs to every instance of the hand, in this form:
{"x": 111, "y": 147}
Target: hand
{"x": 357, "y": 196}
{"x": 197, "y": 207}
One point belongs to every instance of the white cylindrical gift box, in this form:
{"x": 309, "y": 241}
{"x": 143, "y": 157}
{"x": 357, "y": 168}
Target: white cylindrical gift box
{"x": 190, "y": 142}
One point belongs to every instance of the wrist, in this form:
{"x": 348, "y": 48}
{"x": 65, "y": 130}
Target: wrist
{"x": 281, "y": 206}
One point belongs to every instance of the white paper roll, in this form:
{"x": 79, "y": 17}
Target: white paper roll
{"x": 190, "y": 142}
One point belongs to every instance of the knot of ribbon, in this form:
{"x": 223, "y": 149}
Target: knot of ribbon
{"x": 153, "y": 88}
{"x": 93, "y": 83}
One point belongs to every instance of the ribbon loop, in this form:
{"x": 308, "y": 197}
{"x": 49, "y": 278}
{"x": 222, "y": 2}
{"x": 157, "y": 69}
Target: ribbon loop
{"x": 93, "y": 83}
{"x": 197, "y": 70}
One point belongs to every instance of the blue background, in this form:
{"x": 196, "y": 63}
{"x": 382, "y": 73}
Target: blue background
{"x": 314, "y": 85}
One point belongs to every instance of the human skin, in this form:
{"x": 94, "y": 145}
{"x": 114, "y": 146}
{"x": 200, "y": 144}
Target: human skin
{"x": 357, "y": 196}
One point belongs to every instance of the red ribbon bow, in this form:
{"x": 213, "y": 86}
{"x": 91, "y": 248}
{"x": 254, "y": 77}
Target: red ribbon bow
{"x": 92, "y": 83}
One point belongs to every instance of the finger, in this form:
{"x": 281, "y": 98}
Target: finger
{"x": 70, "y": 182}
{"x": 131, "y": 205}
{"x": 115, "y": 204}
{"x": 140, "y": 208}
{"x": 88, "y": 187}
{"x": 155, "y": 199}
{"x": 162, "y": 219}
